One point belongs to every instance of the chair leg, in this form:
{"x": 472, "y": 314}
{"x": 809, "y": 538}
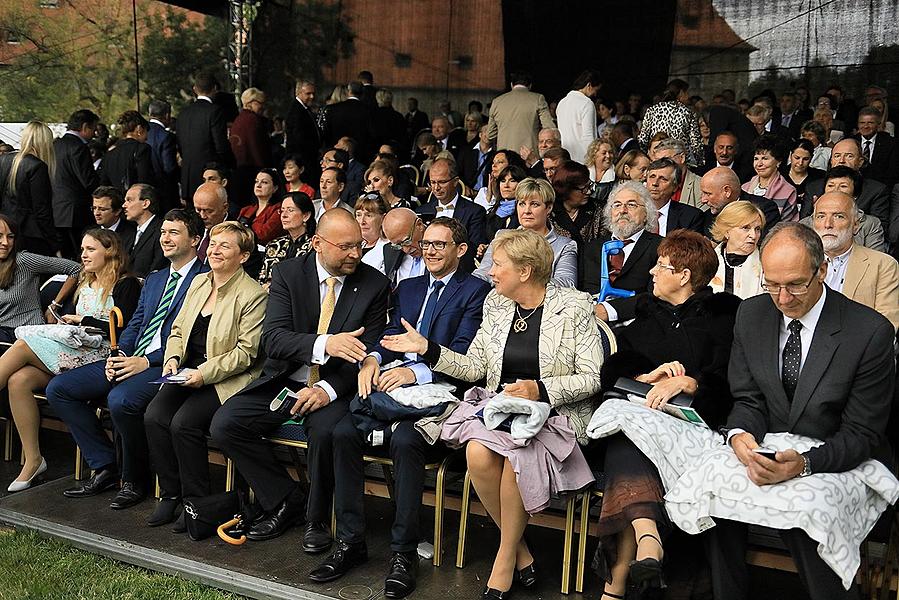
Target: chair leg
{"x": 463, "y": 520}
{"x": 582, "y": 543}
{"x": 157, "y": 491}
{"x": 7, "y": 439}
{"x": 79, "y": 463}
{"x": 334, "y": 519}
{"x": 569, "y": 536}
{"x": 439, "y": 497}
{"x": 229, "y": 475}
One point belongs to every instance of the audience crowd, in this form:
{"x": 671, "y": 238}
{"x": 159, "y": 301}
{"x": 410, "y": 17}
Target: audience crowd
{"x": 401, "y": 285}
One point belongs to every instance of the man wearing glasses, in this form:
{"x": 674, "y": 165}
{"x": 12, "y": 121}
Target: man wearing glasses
{"x": 403, "y": 256}
{"x": 805, "y": 360}
{"x": 445, "y": 304}
{"x": 325, "y": 312}
{"x": 447, "y": 201}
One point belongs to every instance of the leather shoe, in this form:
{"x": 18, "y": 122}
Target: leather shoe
{"x": 344, "y": 558}
{"x": 130, "y": 495}
{"x": 180, "y": 525}
{"x": 400, "y": 580}
{"x": 527, "y": 576}
{"x": 288, "y": 513}
{"x": 100, "y": 481}
{"x": 166, "y": 511}
{"x": 492, "y": 594}
{"x": 316, "y": 537}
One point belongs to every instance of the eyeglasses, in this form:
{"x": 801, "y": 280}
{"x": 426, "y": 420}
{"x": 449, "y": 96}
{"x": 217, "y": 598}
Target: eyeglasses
{"x": 792, "y": 289}
{"x": 345, "y": 247}
{"x": 671, "y": 268}
{"x": 587, "y": 189}
{"x": 631, "y": 205}
{"x": 408, "y": 241}
{"x": 438, "y": 245}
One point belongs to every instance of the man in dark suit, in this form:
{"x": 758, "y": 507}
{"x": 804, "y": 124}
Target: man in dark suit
{"x": 623, "y": 137}
{"x": 805, "y": 360}
{"x": 141, "y": 207}
{"x": 878, "y": 148}
{"x": 74, "y": 181}
{"x": 130, "y": 161}
{"x": 416, "y": 120}
{"x": 302, "y": 133}
{"x": 726, "y": 117}
{"x": 874, "y": 197}
{"x": 449, "y": 202}
{"x": 721, "y": 186}
{"x": 369, "y": 90}
{"x": 107, "y": 209}
{"x": 211, "y": 203}
{"x": 625, "y": 218}
{"x": 164, "y": 148}
{"x": 124, "y": 381}
{"x": 325, "y": 312}
{"x": 474, "y": 163}
{"x": 791, "y": 116}
{"x": 662, "y": 182}
{"x": 388, "y": 124}
{"x": 355, "y": 170}
{"x": 351, "y": 118}
{"x": 452, "y": 140}
{"x": 202, "y": 136}
{"x": 447, "y": 304}
{"x": 403, "y": 257}
{"x": 724, "y": 152}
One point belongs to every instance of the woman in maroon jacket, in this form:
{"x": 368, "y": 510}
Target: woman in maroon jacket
{"x": 249, "y": 138}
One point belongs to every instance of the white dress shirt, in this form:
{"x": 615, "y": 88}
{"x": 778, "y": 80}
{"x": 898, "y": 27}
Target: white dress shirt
{"x": 863, "y": 142}
{"x": 410, "y": 267}
{"x": 836, "y": 270}
{"x": 663, "y": 219}
{"x": 141, "y": 229}
{"x": 610, "y": 310}
{"x": 156, "y": 342}
{"x": 448, "y": 209}
{"x": 319, "y": 357}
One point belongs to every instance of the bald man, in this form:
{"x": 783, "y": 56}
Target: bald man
{"x": 721, "y": 186}
{"x": 211, "y": 203}
{"x": 402, "y": 256}
{"x": 325, "y": 312}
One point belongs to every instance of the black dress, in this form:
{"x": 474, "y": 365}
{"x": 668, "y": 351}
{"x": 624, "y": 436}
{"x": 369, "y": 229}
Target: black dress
{"x": 521, "y": 356}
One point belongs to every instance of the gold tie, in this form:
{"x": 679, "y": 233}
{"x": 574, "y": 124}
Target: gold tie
{"x": 324, "y": 320}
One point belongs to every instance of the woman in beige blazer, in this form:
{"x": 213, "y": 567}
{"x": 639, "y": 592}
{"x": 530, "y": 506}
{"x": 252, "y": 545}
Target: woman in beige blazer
{"x": 213, "y": 352}
{"x": 538, "y": 343}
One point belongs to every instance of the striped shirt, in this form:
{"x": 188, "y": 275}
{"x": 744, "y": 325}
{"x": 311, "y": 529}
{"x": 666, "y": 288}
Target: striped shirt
{"x": 20, "y": 303}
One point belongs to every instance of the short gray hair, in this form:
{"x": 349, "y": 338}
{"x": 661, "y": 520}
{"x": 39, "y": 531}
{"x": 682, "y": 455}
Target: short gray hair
{"x": 557, "y": 135}
{"x": 159, "y": 108}
{"x": 672, "y": 144}
{"x": 809, "y": 238}
{"x": 652, "y": 216}
{"x": 384, "y": 97}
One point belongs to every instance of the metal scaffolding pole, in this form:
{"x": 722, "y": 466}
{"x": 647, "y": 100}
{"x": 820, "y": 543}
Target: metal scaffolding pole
{"x": 241, "y": 14}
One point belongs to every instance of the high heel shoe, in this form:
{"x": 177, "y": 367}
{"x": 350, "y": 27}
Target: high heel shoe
{"x": 492, "y": 594}
{"x": 611, "y": 595}
{"x": 527, "y": 576}
{"x": 18, "y": 486}
{"x": 647, "y": 573}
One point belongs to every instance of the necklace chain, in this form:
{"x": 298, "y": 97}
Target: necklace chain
{"x": 521, "y": 323}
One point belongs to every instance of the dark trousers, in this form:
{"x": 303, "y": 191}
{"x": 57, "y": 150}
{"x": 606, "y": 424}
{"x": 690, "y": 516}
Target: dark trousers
{"x": 239, "y": 427}
{"x": 409, "y": 453}
{"x": 726, "y": 552}
{"x": 72, "y": 393}
{"x": 177, "y": 420}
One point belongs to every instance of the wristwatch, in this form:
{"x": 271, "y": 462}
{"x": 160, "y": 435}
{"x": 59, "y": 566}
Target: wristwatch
{"x": 806, "y": 467}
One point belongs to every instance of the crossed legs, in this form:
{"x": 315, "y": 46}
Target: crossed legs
{"x": 22, "y": 372}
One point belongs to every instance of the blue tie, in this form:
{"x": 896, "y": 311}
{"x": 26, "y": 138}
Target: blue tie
{"x": 430, "y": 308}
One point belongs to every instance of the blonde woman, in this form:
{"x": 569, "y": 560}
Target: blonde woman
{"x": 601, "y": 161}
{"x": 27, "y": 194}
{"x": 738, "y": 231}
{"x": 46, "y": 350}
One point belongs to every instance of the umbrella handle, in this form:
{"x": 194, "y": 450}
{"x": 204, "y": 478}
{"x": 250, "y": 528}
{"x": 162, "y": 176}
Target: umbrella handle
{"x": 115, "y": 320}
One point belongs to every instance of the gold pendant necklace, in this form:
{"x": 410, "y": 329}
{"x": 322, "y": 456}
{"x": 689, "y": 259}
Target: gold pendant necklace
{"x": 521, "y": 323}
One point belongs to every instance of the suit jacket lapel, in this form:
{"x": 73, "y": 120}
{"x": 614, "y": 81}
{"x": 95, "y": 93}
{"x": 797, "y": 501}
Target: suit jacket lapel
{"x": 313, "y": 297}
{"x": 769, "y": 353}
{"x": 448, "y": 292}
{"x": 817, "y": 361}
{"x": 344, "y": 304}
{"x": 855, "y": 273}
{"x": 640, "y": 247}
{"x": 418, "y": 290}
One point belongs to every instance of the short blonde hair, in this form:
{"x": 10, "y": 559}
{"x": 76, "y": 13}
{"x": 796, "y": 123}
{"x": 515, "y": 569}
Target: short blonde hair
{"x": 593, "y": 150}
{"x": 527, "y": 248}
{"x": 529, "y": 187}
{"x": 251, "y": 94}
{"x": 735, "y": 214}
{"x": 245, "y": 238}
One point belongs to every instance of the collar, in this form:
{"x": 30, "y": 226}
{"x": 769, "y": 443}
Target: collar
{"x": 633, "y": 238}
{"x": 157, "y": 121}
{"x": 324, "y": 274}
{"x": 519, "y": 86}
{"x": 810, "y": 319}
{"x": 450, "y": 204}
{"x": 664, "y": 208}
{"x": 227, "y": 285}
{"x": 730, "y": 166}
{"x": 352, "y": 98}
{"x": 842, "y": 258}
{"x": 303, "y": 104}
{"x": 142, "y": 228}
{"x": 183, "y": 271}
{"x": 870, "y": 139}
{"x": 624, "y": 143}
{"x": 115, "y": 226}
{"x": 77, "y": 135}
{"x": 768, "y": 125}
{"x": 445, "y": 279}
{"x": 206, "y": 98}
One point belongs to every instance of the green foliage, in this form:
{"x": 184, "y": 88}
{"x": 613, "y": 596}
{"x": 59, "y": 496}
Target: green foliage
{"x": 175, "y": 48}
{"x": 35, "y": 567}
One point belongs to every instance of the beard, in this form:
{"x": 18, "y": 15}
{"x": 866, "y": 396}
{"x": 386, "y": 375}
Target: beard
{"x": 624, "y": 230}
{"x": 839, "y": 240}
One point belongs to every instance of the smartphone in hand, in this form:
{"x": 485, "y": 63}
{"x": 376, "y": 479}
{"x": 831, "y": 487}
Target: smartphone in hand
{"x": 768, "y": 453}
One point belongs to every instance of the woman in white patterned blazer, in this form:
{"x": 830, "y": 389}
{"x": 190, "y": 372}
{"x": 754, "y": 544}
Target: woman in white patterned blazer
{"x": 537, "y": 343}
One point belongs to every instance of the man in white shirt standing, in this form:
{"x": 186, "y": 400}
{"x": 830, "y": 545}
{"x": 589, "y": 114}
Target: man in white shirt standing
{"x": 576, "y": 114}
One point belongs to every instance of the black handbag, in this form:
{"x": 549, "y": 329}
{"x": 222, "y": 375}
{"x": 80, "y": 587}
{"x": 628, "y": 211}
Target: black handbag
{"x": 204, "y": 514}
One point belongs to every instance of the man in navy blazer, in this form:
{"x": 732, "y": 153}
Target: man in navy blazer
{"x": 449, "y": 202}
{"x": 164, "y": 155}
{"x": 125, "y": 380}
{"x": 447, "y": 303}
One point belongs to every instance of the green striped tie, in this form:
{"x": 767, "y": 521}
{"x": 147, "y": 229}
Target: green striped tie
{"x": 159, "y": 316}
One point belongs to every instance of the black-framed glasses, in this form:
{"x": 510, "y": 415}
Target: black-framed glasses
{"x": 793, "y": 289}
{"x": 438, "y": 245}
{"x": 346, "y": 247}
{"x": 443, "y": 181}
{"x": 588, "y": 188}
{"x": 408, "y": 240}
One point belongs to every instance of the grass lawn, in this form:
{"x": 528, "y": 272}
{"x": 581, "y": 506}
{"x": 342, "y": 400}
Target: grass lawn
{"x": 33, "y": 567}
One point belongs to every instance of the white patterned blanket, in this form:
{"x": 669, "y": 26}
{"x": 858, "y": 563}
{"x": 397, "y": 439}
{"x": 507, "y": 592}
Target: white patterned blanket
{"x": 704, "y": 479}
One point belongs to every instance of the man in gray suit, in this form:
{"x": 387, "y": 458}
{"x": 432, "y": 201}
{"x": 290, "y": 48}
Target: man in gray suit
{"x": 805, "y": 360}
{"x": 517, "y": 116}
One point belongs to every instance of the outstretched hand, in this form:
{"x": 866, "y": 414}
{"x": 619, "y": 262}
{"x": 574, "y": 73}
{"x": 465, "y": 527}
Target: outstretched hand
{"x": 346, "y": 346}
{"x": 411, "y": 341}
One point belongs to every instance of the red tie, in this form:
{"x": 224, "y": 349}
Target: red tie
{"x": 616, "y": 262}
{"x": 201, "y": 250}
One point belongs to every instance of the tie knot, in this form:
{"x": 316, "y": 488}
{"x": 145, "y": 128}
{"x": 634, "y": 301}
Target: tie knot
{"x": 795, "y": 326}
{"x": 437, "y": 286}
{"x": 627, "y": 242}
{"x": 331, "y": 282}
{"x": 176, "y": 276}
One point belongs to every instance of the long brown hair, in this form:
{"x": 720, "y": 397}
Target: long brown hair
{"x": 115, "y": 268}
{"x": 8, "y": 264}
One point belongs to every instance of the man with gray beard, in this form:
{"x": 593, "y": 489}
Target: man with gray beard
{"x": 625, "y": 218}
{"x": 867, "y": 276}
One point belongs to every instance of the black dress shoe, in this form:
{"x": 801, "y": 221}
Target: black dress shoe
{"x": 344, "y": 558}
{"x": 400, "y": 580}
{"x": 167, "y": 510}
{"x": 492, "y": 594}
{"x": 316, "y": 537}
{"x": 527, "y": 576}
{"x": 180, "y": 525}
{"x": 100, "y": 481}
{"x": 289, "y": 513}
{"x": 130, "y": 495}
